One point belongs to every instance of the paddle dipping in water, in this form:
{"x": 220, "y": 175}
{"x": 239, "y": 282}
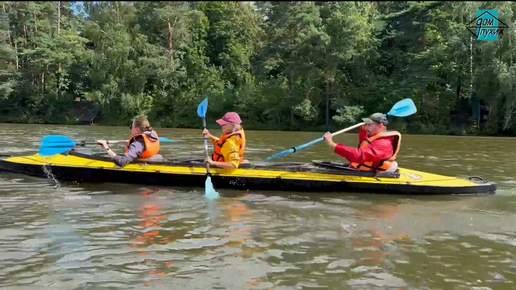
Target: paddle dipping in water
{"x": 210, "y": 192}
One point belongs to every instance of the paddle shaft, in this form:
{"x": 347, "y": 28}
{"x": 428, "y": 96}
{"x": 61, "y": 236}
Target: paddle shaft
{"x": 301, "y": 147}
{"x": 111, "y": 142}
{"x": 322, "y": 138}
{"x": 206, "y": 146}
{"x": 347, "y": 129}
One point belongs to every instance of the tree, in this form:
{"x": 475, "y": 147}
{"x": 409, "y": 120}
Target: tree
{"x": 349, "y": 28}
{"x": 8, "y": 56}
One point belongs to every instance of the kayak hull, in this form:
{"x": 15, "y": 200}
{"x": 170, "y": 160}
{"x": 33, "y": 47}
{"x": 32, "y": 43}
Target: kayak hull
{"x": 298, "y": 177}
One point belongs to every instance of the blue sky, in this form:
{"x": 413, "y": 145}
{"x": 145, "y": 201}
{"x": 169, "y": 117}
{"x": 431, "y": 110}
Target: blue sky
{"x": 76, "y": 9}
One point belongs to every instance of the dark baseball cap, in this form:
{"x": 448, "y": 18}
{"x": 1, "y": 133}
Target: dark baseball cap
{"x": 376, "y": 118}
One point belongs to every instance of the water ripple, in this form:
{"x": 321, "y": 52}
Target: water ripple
{"x": 118, "y": 236}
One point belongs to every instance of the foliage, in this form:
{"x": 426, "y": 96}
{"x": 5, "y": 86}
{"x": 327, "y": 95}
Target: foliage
{"x": 348, "y": 114}
{"x": 292, "y": 65}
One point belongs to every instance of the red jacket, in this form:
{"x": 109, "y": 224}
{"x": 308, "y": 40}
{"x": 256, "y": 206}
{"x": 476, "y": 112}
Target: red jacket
{"x": 378, "y": 150}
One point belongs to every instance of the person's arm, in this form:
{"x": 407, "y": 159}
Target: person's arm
{"x": 103, "y": 144}
{"x": 376, "y": 151}
{"x": 362, "y": 135}
{"x": 135, "y": 150}
{"x": 206, "y": 133}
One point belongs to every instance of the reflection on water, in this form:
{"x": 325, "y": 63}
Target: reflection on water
{"x": 116, "y": 236}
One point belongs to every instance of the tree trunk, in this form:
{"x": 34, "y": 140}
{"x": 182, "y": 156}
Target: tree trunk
{"x": 510, "y": 43}
{"x": 8, "y": 30}
{"x": 25, "y": 34}
{"x": 58, "y": 17}
{"x": 35, "y": 21}
{"x": 59, "y": 66}
{"x": 292, "y": 94}
{"x": 459, "y": 82}
{"x": 292, "y": 118}
{"x": 117, "y": 11}
{"x": 36, "y": 46}
{"x": 170, "y": 39}
{"x": 509, "y": 111}
{"x": 328, "y": 98}
{"x": 16, "y": 51}
{"x": 11, "y": 42}
{"x": 470, "y": 67}
{"x": 292, "y": 82}
{"x": 9, "y": 37}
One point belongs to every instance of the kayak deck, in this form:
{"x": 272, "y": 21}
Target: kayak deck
{"x": 318, "y": 176}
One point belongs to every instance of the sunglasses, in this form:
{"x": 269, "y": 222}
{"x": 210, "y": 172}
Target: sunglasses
{"x": 131, "y": 126}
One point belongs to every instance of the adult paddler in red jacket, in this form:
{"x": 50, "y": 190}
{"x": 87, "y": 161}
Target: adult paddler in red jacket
{"x": 377, "y": 150}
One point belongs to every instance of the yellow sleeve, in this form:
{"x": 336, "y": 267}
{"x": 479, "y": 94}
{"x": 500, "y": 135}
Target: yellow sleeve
{"x": 230, "y": 152}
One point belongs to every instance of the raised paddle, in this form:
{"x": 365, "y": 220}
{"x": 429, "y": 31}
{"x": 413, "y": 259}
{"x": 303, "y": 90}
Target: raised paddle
{"x": 209, "y": 190}
{"x": 402, "y": 108}
{"x": 57, "y": 144}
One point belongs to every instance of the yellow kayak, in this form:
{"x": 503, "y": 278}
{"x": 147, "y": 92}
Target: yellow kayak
{"x": 318, "y": 176}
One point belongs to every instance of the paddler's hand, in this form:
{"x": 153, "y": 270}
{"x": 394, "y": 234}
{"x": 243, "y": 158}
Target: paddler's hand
{"x": 103, "y": 144}
{"x": 206, "y": 133}
{"x": 209, "y": 160}
{"x": 329, "y": 140}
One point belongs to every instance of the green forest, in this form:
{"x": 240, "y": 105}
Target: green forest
{"x": 281, "y": 65}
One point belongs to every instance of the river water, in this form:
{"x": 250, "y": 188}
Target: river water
{"x": 115, "y": 236}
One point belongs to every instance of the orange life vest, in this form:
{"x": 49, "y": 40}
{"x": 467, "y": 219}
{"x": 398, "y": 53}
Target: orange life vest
{"x": 383, "y": 165}
{"x": 151, "y": 147}
{"x": 217, "y": 154}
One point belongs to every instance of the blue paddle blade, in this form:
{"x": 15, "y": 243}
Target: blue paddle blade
{"x": 56, "y": 144}
{"x": 51, "y": 151}
{"x": 56, "y": 139}
{"x": 202, "y": 108}
{"x": 210, "y": 191}
{"x": 164, "y": 139}
{"x": 403, "y": 108}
